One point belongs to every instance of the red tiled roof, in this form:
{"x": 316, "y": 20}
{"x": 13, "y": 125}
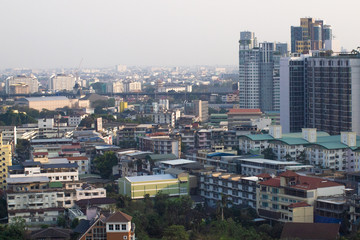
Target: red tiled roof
{"x": 263, "y": 175}
{"x": 303, "y": 182}
{"x": 272, "y": 182}
{"x": 244, "y": 111}
{"x": 119, "y": 217}
{"x": 40, "y": 153}
{"x": 299, "y": 204}
{"x": 289, "y": 173}
{"x": 309, "y": 183}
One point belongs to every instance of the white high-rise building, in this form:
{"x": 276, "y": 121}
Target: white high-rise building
{"x": 31, "y": 81}
{"x": 60, "y": 82}
{"x": 132, "y": 87}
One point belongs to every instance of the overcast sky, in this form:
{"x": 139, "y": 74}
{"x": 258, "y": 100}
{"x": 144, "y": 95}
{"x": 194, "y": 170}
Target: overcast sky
{"x": 59, "y": 33}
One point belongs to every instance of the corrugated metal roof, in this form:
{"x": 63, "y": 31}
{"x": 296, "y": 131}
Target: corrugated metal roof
{"x": 38, "y": 99}
{"x": 27, "y": 179}
{"x": 177, "y": 162}
{"x": 150, "y": 178}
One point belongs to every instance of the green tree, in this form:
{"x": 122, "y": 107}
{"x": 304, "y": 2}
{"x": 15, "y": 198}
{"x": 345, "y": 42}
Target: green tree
{"x": 221, "y": 204}
{"x": 61, "y": 222}
{"x": 3, "y": 208}
{"x": 104, "y": 163}
{"x": 111, "y": 102}
{"x": 22, "y": 149}
{"x": 302, "y": 157}
{"x": 74, "y": 223}
{"x": 87, "y": 122}
{"x": 175, "y": 232}
{"x": 288, "y": 157}
{"x": 269, "y": 153}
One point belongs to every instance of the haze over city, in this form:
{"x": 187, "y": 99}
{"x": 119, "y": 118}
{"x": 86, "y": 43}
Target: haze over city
{"x": 48, "y": 34}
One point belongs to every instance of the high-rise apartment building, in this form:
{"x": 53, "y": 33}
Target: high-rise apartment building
{"x": 292, "y": 89}
{"x": 333, "y": 93}
{"x": 201, "y": 110}
{"x": 258, "y": 72}
{"x": 310, "y": 35}
{"x": 249, "y": 58}
{"x": 31, "y": 81}
{"x": 5, "y": 162}
{"x": 320, "y": 92}
{"x": 60, "y": 82}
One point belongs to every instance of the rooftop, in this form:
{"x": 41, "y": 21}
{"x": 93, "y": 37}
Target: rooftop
{"x": 302, "y": 182}
{"x": 13, "y": 180}
{"x": 244, "y": 111}
{"x": 150, "y": 178}
{"x": 39, "y": 99}
{"x": 119, "y": 217}
{"x": 268, "y": 161}
{"x": 177, "y": 162}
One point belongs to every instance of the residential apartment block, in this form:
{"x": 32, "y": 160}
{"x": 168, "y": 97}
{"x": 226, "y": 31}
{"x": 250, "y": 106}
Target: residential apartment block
{"x": 161, "y": 144}
{"x": 5, "y": 162}
{"x": 320, "y": 91}
{"x": 60, "y": 82}
{"x": 238, "y": 190}
{"x": 338, "y": 152}
{"x": 290, "y": 197}
{"x": 31, "y": 81}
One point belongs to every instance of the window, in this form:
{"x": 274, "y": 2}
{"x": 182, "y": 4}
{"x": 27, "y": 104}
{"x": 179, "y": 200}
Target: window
{"x": 123, "y": 227}
{"x": 117, "y": 227}
{"x": 111, "y": 227}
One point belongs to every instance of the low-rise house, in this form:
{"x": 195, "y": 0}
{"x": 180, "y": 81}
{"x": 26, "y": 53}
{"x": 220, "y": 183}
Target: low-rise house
{"x": 115, "y": 226}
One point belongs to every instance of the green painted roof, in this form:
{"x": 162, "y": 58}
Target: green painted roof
{"x": 55, "y": 184}
{"x": 332, "y": 145}
{"x": 259, "y": 137}
{"x": 323, "y": 139}
{"x": 292, "y": 141}
{"x": 218, "y": 115}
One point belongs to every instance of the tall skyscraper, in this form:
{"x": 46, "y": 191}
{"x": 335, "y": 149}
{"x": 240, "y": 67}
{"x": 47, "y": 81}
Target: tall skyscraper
{"x": 320, "y": 92}
{"x": 310, "y": 35}
{"x": 292, "y": 93}
{"x": 201, "y": 110}
{"x": 259, "y": 72}
{"x": 249, "y": 58}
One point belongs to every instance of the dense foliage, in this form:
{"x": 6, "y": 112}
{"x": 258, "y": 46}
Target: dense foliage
{"x": 13, "y": 231}
{"x": 22, "y": 149}
{"x": 104, "y": 163}
{"x": 11, "y": 118}
{"x": 177, "y": 218}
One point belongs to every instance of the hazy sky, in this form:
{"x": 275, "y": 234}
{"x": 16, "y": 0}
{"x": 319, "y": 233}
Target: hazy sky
{"x": 59, "y": 33}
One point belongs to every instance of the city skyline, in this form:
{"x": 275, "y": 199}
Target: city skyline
{"x": 43, "y": 34}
